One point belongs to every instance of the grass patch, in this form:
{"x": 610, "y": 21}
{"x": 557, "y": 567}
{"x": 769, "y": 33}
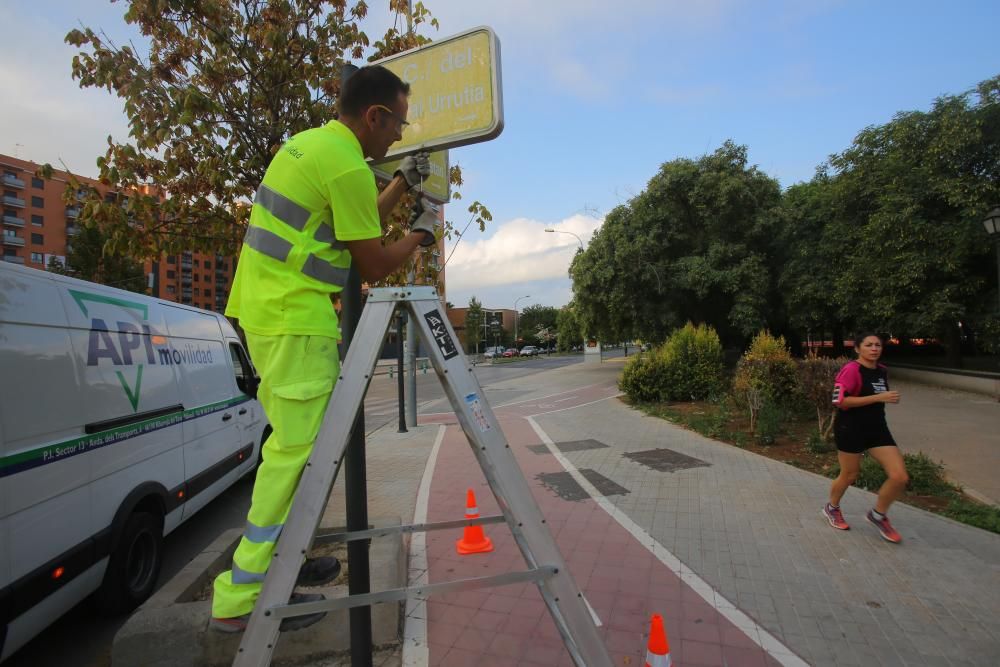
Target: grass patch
{"x": 794, "y": 440}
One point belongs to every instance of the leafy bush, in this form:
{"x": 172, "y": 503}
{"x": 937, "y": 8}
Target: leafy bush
{"x": 769, "y": 421}
{"x": 816, "y": 377}
{"x": 687, "y": 367}
{"x": 643, "y": 378}
{"x": 766, "y": 374}
{"x": 818, "y": 444}
{"x": 692, "y": 359}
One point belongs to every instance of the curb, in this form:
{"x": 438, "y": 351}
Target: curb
{"x": 171, "y": 629}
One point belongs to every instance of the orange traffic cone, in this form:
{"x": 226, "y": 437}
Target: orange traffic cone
{"x": 473, "y": 541}
{"x": 658, "y": 650}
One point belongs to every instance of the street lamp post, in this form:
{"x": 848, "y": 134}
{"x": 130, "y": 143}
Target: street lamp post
{"x": 992, "y": 225}
{"x": 559, "y": 231}
{"x": 516, "y": 317}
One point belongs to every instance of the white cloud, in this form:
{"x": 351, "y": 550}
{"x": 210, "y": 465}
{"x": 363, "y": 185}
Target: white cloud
{"x": 520, "y": 253}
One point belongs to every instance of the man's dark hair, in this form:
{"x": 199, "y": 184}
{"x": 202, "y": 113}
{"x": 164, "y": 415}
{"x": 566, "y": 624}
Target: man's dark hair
{"x": 368, "y": 86}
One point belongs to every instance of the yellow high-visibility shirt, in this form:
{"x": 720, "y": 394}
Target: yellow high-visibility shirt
{"x": 318, "y": 182}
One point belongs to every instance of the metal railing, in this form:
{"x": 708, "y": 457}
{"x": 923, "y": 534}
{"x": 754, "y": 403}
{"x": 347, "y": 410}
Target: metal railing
{"x": 13, "y": 221}
{"x": 13, "y": 181}
{"x": 16, "y": 202}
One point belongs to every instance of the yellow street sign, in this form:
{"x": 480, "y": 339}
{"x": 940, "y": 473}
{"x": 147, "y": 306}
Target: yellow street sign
{"x": 437, "y": 187}
{"x": 455, "y": 92}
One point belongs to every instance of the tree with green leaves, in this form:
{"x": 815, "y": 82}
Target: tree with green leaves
{"x": 568, "y": 327}
{"x": 533, "y": 318}
{"x": 86, "y": 259}
{"x": 220, "y": 88}
{"x": 910, "y": 196}
{"x": 474, "y": 324}
{"x": 695, "y": 245}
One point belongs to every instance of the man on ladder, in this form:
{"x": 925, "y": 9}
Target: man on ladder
{"x": 316, "y": 211}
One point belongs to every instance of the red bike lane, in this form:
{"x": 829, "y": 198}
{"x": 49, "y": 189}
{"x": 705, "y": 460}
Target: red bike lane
{"x": 621, "y": 578}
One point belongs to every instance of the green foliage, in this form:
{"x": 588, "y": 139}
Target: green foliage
{"x": 769, "y": 421}
{"x": 765, "y": 375}
{"x": 221, "y": 88}
{"x": 816, "y": 378}
{"x": 818, "y": 443}
{"x": 695, "y": 245}
{"x": 534, "y": 318}
{"x": 474, "y": 324}
{"x": 688, "y": 367}
{"x": 568, "y": 326}
{"x": 87, "y": 258}
{"x": 926, "y": 476}
{"x": 975, "y": 514}
{"x": 692, "y": 364}
{"x": 644, "y": 377}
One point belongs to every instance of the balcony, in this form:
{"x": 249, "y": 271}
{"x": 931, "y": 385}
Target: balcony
{"x": 13, "y": 221}
{"x": 72, "y": 230}
{"x": 15, "y": 202}
{"x": 15, "y": 241}
{"x": 186, "y": 263}
{"x": 13, "y": 182}
{"x": 13, "y": 259}
{"x": 72, "y": 212}
{"x": 186, "y": 279}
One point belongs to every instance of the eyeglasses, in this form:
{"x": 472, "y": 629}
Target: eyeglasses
{"x": 402, "y": 121}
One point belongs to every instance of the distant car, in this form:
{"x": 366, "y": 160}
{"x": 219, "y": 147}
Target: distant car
{"x": 510, "y": 352}
{"x": 492, "y": 352}
{"x": 529, "y": 351}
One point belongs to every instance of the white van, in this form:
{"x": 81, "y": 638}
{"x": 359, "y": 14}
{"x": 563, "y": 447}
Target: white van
{"x": 120, "y": 417}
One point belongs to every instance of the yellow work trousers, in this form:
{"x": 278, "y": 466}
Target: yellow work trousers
{"x": 297, "y": 377}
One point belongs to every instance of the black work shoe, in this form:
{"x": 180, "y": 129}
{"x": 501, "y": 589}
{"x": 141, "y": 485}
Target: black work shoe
{"x": 239, "y": 623}
{"x": 318, "y": 571}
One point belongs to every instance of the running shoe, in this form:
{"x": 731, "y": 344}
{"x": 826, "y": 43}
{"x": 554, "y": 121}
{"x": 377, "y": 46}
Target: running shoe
{"x": 835, "y": 517}
{"x": 885, "y": 528}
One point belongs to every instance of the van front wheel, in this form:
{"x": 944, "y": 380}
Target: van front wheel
{"x": 134, "y": 566}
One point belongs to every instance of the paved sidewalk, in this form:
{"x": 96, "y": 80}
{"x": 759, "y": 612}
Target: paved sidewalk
{"x": 747, "y": 527}
{"x": 961, "y": 429}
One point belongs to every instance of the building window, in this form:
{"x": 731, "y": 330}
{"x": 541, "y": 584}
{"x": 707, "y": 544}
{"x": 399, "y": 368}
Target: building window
{"x": 196, "y": 276}
{"x": 208, "y": 292}
{"x": 194, "y": 263}
{"x": 171, "y": 289}
{"x": 38, "y": 202}
{"x": 37, "y": 239}
{"x": 37, "y": 258}
{"x": 171, "y": 259}
{"x": 197, "y": 292}
{"x": 171, "y": 275}
{"x": 208, "y": 278}
{"x": 37, "y": 220}
{"x": 37, "y": 183}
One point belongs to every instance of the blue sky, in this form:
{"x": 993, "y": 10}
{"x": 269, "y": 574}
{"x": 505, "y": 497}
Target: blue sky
{"x": 597, "y": 96}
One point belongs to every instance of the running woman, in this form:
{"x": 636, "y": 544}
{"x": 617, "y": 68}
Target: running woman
{"x": 860, "y": 393}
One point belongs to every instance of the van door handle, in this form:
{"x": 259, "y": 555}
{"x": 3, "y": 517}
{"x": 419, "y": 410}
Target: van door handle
{"x": 226, "y": 417}
{"x": 243, "y": 411}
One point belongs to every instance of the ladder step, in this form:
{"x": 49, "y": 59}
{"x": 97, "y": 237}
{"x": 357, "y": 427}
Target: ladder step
{"x": 331, "y": 538}
{"x": 395, "y": 594}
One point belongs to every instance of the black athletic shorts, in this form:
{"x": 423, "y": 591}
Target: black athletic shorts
{"x": 854, "y": 437}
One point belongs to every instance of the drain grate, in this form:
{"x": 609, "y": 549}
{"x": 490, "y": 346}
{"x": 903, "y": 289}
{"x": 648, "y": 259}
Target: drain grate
{"x": 570, "y": 446}
{"x": 665, "y": 460}
{"x": 567, "y": 488}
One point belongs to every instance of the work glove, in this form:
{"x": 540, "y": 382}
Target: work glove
{"x": 423, "y": 218}
{"x": 415, "y": 168}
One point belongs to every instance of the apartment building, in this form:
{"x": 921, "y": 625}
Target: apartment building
{"x": 38, "y": 225}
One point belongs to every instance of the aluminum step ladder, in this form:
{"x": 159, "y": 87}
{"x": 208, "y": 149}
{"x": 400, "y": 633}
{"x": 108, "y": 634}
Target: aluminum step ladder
{"x": 545, "y": 564}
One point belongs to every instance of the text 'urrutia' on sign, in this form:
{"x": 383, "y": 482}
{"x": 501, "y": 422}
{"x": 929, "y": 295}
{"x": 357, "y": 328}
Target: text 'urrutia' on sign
{"x": 102, "y": 345}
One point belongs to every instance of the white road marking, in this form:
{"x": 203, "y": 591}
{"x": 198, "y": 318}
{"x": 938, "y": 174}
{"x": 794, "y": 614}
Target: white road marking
{"x": 755, "y": 632}
{"x": 415, "y": 651}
